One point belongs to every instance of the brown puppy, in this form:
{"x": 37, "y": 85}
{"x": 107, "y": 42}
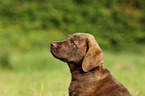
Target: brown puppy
{"x": 85, "y": 59}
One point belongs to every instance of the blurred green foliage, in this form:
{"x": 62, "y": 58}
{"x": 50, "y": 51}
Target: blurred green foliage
{"x": 27, "y": 27}
{"x": 13, "y": 42}
{"x": 30, "y": 25}
{"x": 5, "y": 60}
{"x": 115, "y": 23}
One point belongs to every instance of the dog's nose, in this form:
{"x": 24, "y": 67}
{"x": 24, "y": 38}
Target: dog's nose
{"x": 53, "y": 45}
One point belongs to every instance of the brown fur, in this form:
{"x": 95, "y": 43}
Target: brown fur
{"x": 85, "y": 60}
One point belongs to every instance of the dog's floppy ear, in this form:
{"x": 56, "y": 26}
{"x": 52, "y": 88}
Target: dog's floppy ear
{"x": 94, "y": 55}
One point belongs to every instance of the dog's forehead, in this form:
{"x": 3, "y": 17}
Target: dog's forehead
{"x": 79, "y": 35}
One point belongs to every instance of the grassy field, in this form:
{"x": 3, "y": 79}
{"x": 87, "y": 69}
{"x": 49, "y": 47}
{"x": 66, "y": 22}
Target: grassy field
{"x": 27, "y": 27}
{"x": 39, "y": 74}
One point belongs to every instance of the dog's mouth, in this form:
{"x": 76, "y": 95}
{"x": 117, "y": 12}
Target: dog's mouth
{"x": 56, "y": 56}
{"x": 53, "y": 53}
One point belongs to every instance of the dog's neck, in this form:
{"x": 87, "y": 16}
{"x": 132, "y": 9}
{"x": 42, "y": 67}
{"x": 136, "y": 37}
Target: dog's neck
{"x": 77, "y": 72}
{"x": 77, "y": 68}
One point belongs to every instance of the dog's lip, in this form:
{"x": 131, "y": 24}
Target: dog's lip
{"x": 52, "y": 51}
{"x": 54, "y": 54}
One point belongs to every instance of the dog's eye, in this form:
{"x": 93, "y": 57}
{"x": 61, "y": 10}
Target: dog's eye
{"x": 72, "y": 42}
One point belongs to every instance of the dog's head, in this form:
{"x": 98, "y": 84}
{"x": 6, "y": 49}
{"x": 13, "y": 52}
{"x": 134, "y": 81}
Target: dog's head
{"x": 79, "y": 48}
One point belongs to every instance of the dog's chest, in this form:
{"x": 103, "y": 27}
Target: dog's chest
{"x": 81, "y": 88}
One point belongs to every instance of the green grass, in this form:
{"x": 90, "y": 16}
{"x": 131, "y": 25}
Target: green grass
{"x": 39, "y": 74}
{"x": 35, "y": 74}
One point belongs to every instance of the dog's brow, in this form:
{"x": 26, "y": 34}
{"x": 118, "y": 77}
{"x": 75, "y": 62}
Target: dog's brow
{"x": 69, "y": 36}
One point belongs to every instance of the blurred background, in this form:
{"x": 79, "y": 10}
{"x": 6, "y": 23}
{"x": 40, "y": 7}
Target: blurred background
{"x": 27, "y": 27}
